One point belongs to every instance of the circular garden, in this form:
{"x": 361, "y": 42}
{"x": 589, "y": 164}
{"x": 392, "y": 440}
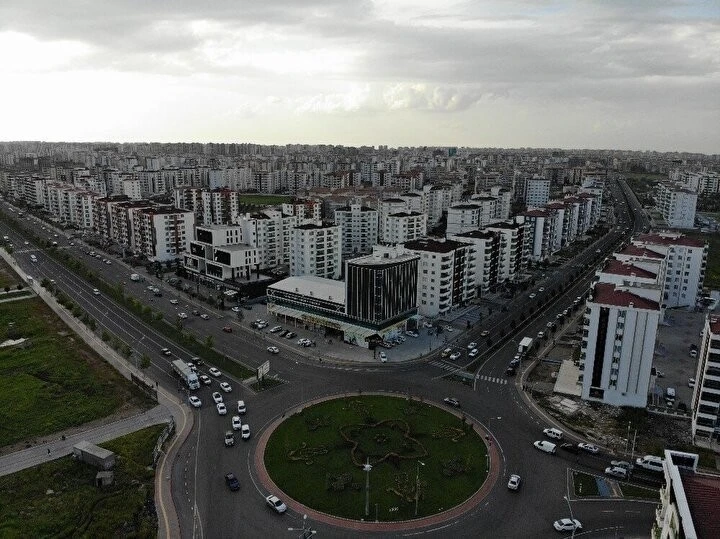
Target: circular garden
{"x": 424, "y": 460}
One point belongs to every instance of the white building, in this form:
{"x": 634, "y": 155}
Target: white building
{"x": 446, "y": 274}
{"x": 486, "y": 245}
{"x": 706, "y": 396}
{"x": 359, "y": 227}
{"x": 161, "y": 234}
{"x": 540, "y": 238}
{"x": 315, "y": 250}
{"x": 270, "y": 231}
{"x": 537, "y": 192}
{"x": 620, "y": 327}
{"x": 474, "y": 215}
{"x": 677, "y": 205}
{"x": 513, "y": 253}
{"x": 403, "y": 226}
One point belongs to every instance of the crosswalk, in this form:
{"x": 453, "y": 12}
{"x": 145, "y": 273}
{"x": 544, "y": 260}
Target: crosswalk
{"x": 483, "y": 378}
{"x": 493, "y": 380}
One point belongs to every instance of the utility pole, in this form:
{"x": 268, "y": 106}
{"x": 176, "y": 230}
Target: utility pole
{"x": 367, "y": 469}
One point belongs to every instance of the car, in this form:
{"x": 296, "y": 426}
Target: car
{"x": 544, "y": 445}
{"x": 472, "y": 345}
{"x": 232, "y": 482}
{"x": 241, "y": 407}
{"x": 383, "y": 357}
{"x": 195, "y": 312}
{"x": 182, "y": 316}
{"x": 616, "y": 471}
{"x": 412, "y": 334}
{"x": 275, "y": 502}
{"x": 622, "y": 464}
{"x": 553, "y": 433}
{"x": 455, "y": 355}
{"x": 533, "y": 295}
{"x": 515, "y": 362}
{"x": 96, "y": 291}
{"x": 303, "y": 341}
{"x": 510, "y": 371}
{"x": 235, "y": 309}
{"x": 205, "y": 316}
{"x": 570, "y": 448}
{"x": 27, "y": 243}
{"x": 427, "y": 324}
{"x": 290, "y": 335}
{"x": 452, "y": 401}
{"x": 245, "y": 431}
{"x": 229, "y": 438}
{"x": 195, "y": 402}
{"x": 214, "y": 371}
{"x": 549, "y": 325}
{"x": 446, "y": 352}
{"x": 236, "y": 422}
{"x": 275, "y": 329}
{"x": 590, "y": 448}
{"x": 227, "y": 388}
{"x": 541, "y": 289}
{"x": 217, "y": 397}
{"x": 205, "y": 379}
{"x": 283, "y": 333}
{"x": 174, "y": 301}
{"x": 473, "y": 353}
{"x": 273, "y": 349}
{"x": 559, "y": 316}
{"x": 540, "y": 335}
{"x": 514, "y": 482}
{"x": 192, "y": 366}
{"x": 221, "y": 408}
{"x": 227, "y": 329}
{"x": 449, "y": 329}
{"x": 484, "y": 333}
{"x": 165, "y": 351}
{"x": 108, "y": 262}
{"x": 691, "y": 382}
{"x": 567, "y": 525}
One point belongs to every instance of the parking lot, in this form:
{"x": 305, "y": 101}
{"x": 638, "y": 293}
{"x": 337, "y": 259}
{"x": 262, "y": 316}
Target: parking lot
{"x": 672, "y": 355}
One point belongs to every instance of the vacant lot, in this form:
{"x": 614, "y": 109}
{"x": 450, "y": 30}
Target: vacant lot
{"x": 52, "y": 381}
{"x": 59, "y": 499}
{"x": 316, "y": 457}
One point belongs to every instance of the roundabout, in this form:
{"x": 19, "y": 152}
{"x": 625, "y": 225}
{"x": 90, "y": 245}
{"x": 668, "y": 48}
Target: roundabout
{"x": 427, "y": 463}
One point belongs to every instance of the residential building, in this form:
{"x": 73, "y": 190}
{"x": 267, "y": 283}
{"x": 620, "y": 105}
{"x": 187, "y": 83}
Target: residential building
{"x": 536, "y": 192}
{"x": 359, "y": 229}
{"x": 486, "y": 244}
{"x": 271, "y": 232}
{"x": 403, "y": 226}
{"x": 540, "y": 238}
{"x": 706, "y": 395}
{"x": 161, "y": 234}
{"x": 677, "y": 205}
{"x": 315, "y": 250}
{"x": 513, "y": 251}
{"x": 218, "y": 253}
{"x": 474, "y": 215}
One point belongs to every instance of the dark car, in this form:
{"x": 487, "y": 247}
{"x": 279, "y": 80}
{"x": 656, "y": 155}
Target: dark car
{"x": 510, "y": 371}
{"x": 232, "y": 482}
{"x": 227, "y": 329}
{"x": 570, "y": 448}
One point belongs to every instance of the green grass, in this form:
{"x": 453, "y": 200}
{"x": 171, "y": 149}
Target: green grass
{"x": 54, "y": 381}
{"x": 585, "y": 484}
{"x": 634, "y": 491}
{"x": 308, "y": 455}
{"x": 76, "y": 508}
{"x": 263, "y": 200}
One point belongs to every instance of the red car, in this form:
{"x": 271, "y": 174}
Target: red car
{"x": 227, "y": 329}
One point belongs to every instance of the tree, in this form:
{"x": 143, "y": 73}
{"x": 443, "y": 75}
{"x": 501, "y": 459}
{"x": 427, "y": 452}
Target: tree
{"x": 144, "y": 361}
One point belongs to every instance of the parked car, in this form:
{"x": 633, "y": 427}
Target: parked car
{"x": 383, "y": 357}
{"x": 484, "y": 333}
{"x": 472, "y": 345}
{"x": 273, "y": 349}
{"x": 236, "y": 422}
{"x": 174, "y": 301}
{"x": 514, "y": 482}
{"x": 205, "y": 316}
{"x": 616, "y": 471}
{"x": 241, "y": 407}
{"x": 452, "y": 401}
{"x": 590, "y": 448}
{"x": 455, "y": 355}
{"x": 275, "y": 329}
{"x": 275, "y": 503}
{"x": 205, "y": 379}
{"x": 553, "y": 433}
{"x": 473, "y": 353}
{"x": 290, "y": 335}
{"x": 182, "y": 316}
{"x": 232, "y": 482}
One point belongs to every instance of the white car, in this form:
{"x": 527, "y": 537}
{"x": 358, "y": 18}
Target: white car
{"x": 532, "y": 296}
{"x": 195, "y": 402}
{"x": 221, "y": 408}
{"x": 472, "y": 345}
{"x": 567, "y": 525}
{"x": 273, "y": 349}
{"x": 215, "y": 372}
{"x": 455, "y": 355}
{"x": 174, "y": 301}
{"x": 553, "y": 433}
{"x": 383, "y": 357}
{"x": 217, "y": 397}
{"x": 241, "y": 407}
{"x": 616, "y": 471}
{"x": 235, "y": 309}
{"x": 275, "y": 329}
{"x": 236, "y": 423}
{"x": 205, "y": 379}
{"x": 205, "y": 316}
{"x": 96, "y": 291}
{"x": 165, "y": 351}
{"x": 473, "y": 353}
{"x": 245, "y": 431}
{"x": 227, "y": 388}
{"x": 412, "y": 334}
{"x": 304, "y": 341}
{"x": 514, "y": 482}
{"x": 182, "y": 316}
{"x": 590, "y": 448}
{"x": 275, "y": 502}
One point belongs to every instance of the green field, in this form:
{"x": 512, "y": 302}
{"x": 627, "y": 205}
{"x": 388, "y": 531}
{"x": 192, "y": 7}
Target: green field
{"x": 263, "y": 200}
{"x": 59, "y": 499}
{"x": 53, "y": 381}
{"x": 634, "y": 491}
{"x": 315, "y": 457}
{"x": 585, "y": 484}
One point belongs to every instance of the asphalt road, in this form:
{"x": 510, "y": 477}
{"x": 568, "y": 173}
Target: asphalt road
{"x": 206, "y": 508}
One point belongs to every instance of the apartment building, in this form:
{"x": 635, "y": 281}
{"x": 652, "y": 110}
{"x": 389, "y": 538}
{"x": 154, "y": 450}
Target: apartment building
{"x": 677, "y": 205}
{"x": 620, "y": 327}
{"x": 536, "y": 192}
{"x": 359, "y": 229}
{"x": 303, "y": 210}
{"x": 446, "y": 274}
{"x": 403, "y": 226}
{"x": 540, "y": 238}
{"x": 486, "y": 244}
{"x": 474, "y": 215}
{"x": 160, "y": 234}
{"x": 270, "y": 231}
{"x": 513, "y": 250}
{"x": 217, "y": 252}
{"x": 706, "y": 395}
{"x": 315, "y": 250}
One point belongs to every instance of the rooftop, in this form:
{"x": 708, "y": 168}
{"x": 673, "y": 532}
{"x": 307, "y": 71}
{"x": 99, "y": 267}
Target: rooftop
{"x": 477, "y": 234}
{"x": 703, "y": 498}
{"x": 715, "y": 324}
{"x": 318, "y": 287}
{"x": 670, "y": 239}
{"x": 383, "y": 258}
{"x": 535, "y": 213}
{"x": 434, "y": 245}
{"x": 609, "y": 294}
{"x": 617, "y": 267}
{"x": 634, "y": 250}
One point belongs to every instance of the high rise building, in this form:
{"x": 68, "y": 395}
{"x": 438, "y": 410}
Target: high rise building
{"x": 359, "y": 229}
{"x": 315, "y": 250}
{"x": 706, "y": 395}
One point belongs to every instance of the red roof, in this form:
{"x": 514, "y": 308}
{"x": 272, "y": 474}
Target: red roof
{"x": 703, "y": 497}
{"x": 715, "y": 325}
{"x": 657, "y": 239}
{"x": 607, "y": 294}
{"x": 634, "y": 250}
{"x": 617, "y": 267}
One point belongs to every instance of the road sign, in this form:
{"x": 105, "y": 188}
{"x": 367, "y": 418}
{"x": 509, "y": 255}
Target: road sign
{"x": 263, "y": 369}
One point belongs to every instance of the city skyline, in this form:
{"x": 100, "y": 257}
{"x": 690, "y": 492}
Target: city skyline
{"x": 483, "y": 74}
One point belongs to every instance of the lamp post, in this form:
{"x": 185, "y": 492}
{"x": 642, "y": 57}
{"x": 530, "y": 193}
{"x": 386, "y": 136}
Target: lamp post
{"x": 567, "y": 499}
{"x": 417, "y": 485}
{"x": 366, "y": 468}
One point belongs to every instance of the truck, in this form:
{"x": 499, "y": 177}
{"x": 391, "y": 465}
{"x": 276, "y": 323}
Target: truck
{"x": 525, "y": 345}
{"x": 186, "y": 374}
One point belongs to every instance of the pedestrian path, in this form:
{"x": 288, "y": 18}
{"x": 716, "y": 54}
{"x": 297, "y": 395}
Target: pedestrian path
{"x": 493, "y": 379}
{"x": 444, "y": 366}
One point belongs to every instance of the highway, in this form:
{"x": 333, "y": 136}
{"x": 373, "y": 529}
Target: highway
{"x": 206, "y": 508}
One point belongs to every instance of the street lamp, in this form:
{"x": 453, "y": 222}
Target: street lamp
{"x": 572, "y": 518}
{"x": 417, "y": 485}
{"x": 366, "y": 468}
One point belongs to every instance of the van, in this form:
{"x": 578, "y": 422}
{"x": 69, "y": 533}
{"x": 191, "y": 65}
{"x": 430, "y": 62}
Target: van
{"x": 650, "y": 462}
{"x": 553, "y": 433}
{"x": 547, "y": 447}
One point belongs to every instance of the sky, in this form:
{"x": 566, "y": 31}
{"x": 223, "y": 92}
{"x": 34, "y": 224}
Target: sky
{"x": 614, "y": 74}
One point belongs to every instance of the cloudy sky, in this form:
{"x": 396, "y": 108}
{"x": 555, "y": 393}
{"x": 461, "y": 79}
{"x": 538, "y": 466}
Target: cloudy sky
{"x": 574, "y": 74}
